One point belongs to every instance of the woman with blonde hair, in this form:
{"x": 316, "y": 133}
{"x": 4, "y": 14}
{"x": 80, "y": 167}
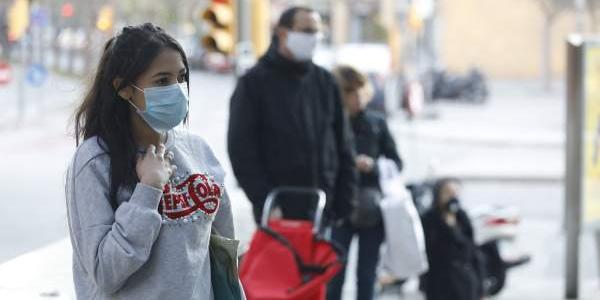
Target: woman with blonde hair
{"x": 372, "y": 140}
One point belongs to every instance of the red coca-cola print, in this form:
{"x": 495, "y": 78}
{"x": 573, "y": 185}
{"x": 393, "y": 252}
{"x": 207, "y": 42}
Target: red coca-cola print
{"x": 197, "y": 192}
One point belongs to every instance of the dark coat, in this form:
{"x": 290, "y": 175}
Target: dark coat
{"x": 454, "y": 269}
{"x": 287, "y": 127}
{"x": 373, "y": 138}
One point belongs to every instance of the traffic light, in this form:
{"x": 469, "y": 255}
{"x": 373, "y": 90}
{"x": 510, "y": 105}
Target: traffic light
{"x": 105, "y": 18}
{"x": 221, "y": 37}
{"x": 18, "y": 19}
{"x": 415, "y": 20}
{"x": 67, "y": 10}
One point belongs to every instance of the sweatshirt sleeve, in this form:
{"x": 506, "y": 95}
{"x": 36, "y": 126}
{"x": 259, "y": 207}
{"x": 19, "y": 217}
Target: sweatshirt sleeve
{"x": 111, "y": 245}
{"x": 388, "y": 146}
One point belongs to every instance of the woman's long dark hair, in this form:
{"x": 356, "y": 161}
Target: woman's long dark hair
{"x": 103, "y": 114}
{"x": 437, "y": 190}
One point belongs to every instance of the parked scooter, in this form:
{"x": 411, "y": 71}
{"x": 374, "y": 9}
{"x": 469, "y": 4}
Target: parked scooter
{"x": 493, "y": 226}
{"x": 470, "y": 87}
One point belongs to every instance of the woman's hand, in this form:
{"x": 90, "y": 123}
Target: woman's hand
{"x": 154, "y": 167}
{"x": 364, "y": 163}
{"x": 450, "y": 219}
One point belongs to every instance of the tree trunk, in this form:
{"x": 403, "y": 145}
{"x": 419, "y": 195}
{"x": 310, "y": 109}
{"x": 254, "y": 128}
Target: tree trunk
{"x": 546, "y": 63}
{"x": 594, "y": 18}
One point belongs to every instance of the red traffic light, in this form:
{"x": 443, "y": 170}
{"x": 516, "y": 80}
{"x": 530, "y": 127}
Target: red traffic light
{"x": 67, "y": 10}
{"x": 5, "y": 73}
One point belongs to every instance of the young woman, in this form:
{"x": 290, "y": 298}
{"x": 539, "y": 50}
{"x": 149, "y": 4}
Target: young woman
{"x": 142, "y": 197}
{"x": 372, "y": 140}
{"x": 454, "y": 267}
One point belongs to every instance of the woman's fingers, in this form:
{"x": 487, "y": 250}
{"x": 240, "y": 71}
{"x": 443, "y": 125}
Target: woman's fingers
{"x": 171, "y": 170}
{"x": 151, "y": 150}
{"x": 160, "y": 151}
{"x": 170, "y": 155}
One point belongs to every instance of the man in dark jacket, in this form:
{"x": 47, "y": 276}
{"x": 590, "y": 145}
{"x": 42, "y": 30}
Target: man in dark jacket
{"x": 287, "y": 126}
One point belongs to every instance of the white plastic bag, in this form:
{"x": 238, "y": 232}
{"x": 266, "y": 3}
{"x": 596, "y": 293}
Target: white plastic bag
{"x": 404, "y": 253}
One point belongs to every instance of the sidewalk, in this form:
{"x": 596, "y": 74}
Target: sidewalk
{"x": 473, "y": 142}
{"x": 42, "y": 274}
{"x": 517, "y": 136}
{"x": 46, "y": 273}
{"x": 52, "y": 98}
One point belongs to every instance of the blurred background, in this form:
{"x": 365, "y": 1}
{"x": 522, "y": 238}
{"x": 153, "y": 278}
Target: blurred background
{"x": 473, "y": 89}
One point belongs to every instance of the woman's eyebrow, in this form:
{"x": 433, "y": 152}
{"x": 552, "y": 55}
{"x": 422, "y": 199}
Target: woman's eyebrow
{"x": 162, "y": 74}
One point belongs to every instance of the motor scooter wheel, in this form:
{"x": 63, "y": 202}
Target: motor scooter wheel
{"x": 495, "y": 268}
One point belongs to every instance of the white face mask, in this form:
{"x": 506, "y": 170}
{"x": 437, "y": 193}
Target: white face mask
{"x": 302, "y": 44}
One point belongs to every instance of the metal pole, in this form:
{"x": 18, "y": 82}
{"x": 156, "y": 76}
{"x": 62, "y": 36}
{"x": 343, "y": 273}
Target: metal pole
{"x": 244, "y": 20}
{"x": 597, "y": 238}
{"x": 21, "y": 101}
{"x": 340, "y": 14}
{"x": 580, "y": 8}
{"x": 574, "y": 159}
{"x": 260, "y": 32}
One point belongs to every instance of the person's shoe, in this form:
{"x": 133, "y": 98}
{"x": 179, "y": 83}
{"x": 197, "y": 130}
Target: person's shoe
{"x": 517, "y": 262}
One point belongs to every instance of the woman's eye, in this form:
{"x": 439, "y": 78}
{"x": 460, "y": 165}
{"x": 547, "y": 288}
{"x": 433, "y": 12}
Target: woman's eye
{"x": 163, "y": 81}
{"x": 181, "y": 78}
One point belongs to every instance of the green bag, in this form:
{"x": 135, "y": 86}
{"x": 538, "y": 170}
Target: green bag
{"x": 224, "y": 268}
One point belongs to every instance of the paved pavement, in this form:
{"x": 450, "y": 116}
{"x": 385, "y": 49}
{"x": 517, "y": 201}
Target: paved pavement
{"x": 510, "y": 150}
{"x": 518, "y": 135}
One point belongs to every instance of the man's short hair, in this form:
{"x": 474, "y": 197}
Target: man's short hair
{"x": 286, "y": 20}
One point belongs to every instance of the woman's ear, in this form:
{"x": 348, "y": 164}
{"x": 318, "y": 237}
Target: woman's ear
{"x": 281, "y": 35}
{"x": 125, "y": 93}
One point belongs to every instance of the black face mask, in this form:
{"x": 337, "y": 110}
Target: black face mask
{"x": 453, "y": 205}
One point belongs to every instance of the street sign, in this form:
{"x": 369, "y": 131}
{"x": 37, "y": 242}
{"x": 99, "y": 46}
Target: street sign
{"x": 5, "y": 73}
{"x": 36, "y": 74}
{"x": 39, "y": 17}
{"x": 67, "y": 10}
{"x": 591, "y": 133}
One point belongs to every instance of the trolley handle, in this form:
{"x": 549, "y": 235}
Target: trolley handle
{"x": 274, "y": 194}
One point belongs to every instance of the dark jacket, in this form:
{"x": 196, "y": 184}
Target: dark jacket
{"x": 372, "y": 138}
{"x": 454, "y": 269}
{"x": 287, "y": 127}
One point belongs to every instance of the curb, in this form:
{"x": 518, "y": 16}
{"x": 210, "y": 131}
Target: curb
{"x": 470, "y": 141}
{"x": 508, "y": 179}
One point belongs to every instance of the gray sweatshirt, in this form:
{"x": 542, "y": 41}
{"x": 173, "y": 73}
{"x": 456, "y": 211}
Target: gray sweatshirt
{"x": 155, "y": 245}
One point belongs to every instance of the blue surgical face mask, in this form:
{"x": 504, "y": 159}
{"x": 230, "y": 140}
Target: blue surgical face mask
{"x": 166, "y": 106}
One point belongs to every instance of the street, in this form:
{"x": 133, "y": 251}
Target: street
{"x": 514, "y": 158}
